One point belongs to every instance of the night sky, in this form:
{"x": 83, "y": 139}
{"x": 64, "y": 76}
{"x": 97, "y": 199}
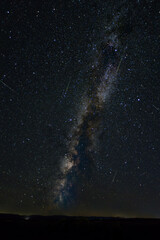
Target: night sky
{"x": 80, "y": 108}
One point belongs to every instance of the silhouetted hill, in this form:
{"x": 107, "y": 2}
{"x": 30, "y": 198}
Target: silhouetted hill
{"x": 34, "y": 227}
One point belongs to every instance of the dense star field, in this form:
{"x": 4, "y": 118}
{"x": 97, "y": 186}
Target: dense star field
{"x": 80, "y": 108}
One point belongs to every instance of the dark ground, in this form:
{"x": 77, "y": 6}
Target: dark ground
{"x": 50, "y": 227}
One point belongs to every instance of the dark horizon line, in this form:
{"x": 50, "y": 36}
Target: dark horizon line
{"x": 27, "y": 217}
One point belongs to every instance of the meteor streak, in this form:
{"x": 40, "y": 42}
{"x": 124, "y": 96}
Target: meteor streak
{"x": 114, "y": 176}
{"x": 67, "y": 87}
{"x": 121, "y": 60}
{"x": 7, "y": 86}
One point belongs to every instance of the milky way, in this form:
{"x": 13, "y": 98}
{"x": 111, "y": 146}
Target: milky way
{"x": 84, "y": 135}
